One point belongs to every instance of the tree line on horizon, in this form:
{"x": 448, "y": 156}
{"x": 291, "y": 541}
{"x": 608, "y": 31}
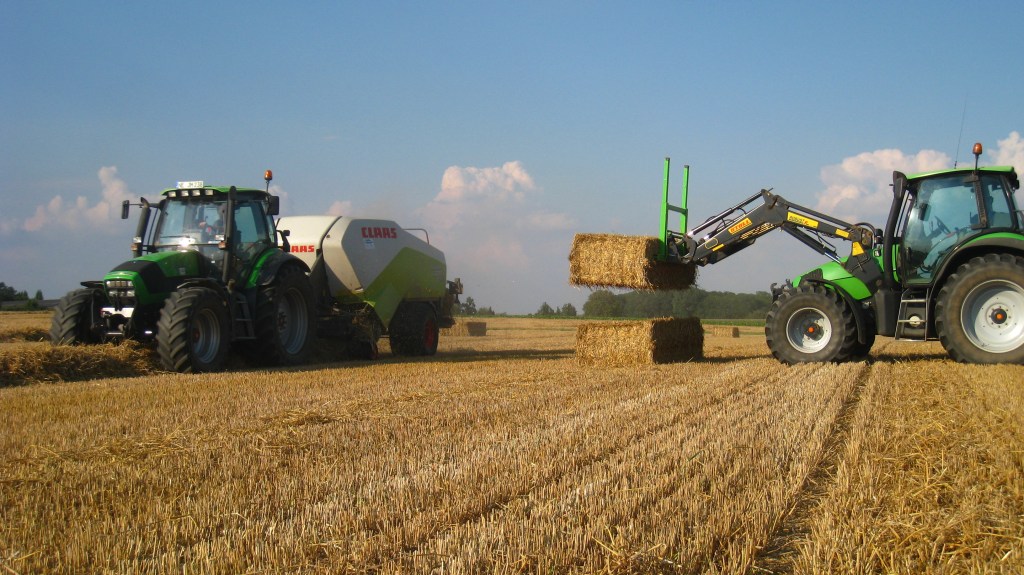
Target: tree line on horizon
{"x": 693, "y": 302}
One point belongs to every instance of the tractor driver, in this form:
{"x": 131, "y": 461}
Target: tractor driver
{"x": 211, "y": 229}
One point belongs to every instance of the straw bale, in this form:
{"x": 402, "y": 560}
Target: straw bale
{"x": 639, "y": 342}
{"x": 609, "y": 260}
{"x": 723, "y": 330}
{"x": 464, "y": 328}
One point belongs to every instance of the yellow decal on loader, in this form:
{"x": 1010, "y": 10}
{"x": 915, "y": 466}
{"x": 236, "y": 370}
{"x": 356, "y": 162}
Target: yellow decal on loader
{"x": 843, "y": 234}
{"x": 857, "y": 249}
{"x": 797, "y": 219}
{"x": 739, "y": 226}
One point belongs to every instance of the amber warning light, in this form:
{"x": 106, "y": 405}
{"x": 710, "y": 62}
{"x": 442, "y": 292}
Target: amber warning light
{"x": 268, "y": 175}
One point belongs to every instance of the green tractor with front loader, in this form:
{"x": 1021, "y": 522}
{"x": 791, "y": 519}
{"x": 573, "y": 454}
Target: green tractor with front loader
{"x": 948, "y": 265}
{"x": 207, "y": 273}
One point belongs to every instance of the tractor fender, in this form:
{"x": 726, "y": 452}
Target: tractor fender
{"x": 859, "y": 313}
{"x": 1008, "y": 243}
{"x": 273, "y": 264}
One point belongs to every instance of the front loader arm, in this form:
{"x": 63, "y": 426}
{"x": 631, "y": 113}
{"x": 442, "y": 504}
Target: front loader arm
{"x": 736, "y": 228}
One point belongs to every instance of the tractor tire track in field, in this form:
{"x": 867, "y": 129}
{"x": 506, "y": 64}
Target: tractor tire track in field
{"x": 582, "y": 466}
{"x": 776, "y": 555}
{"x": 607, "y": 462}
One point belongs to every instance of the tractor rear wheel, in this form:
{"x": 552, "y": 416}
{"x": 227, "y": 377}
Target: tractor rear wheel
{"x": 74, "y": 317}
{"x": 414, "y": 330}
{"x": 285, "y": 319}
{"x": 192, "y": 334}
{"x": 810, "y": 323}
{"x": 979, "y": 313}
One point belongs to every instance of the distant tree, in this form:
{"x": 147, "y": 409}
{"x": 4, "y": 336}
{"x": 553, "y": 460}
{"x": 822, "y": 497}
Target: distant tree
{"x": 468, "y": 306}
{"x": 39, "y": 295}
{"x": 486, "y": 310}
{"x": 603, "y": 303}
{"x": 8, "y": 293}
{"x": 567, "y": 310}
{"x": 647, "y": 304}
{"x": 545, "y": 310}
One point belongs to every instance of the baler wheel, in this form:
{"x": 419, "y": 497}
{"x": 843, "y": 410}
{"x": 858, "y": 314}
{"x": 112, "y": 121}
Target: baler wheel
{"x": 414, "y": 330}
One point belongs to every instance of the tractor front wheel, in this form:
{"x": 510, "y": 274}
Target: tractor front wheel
{"x": 414, "y": 330}
{"x": 810, "y": 323}
{"x": 285, "y": 319}
{"x": 192, "y": 334}
{"x": 979, "y": 313}
{"x": 75, "y": 316}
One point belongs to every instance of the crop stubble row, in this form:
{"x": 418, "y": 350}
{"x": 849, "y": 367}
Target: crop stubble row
{"x": 476, "y": 465}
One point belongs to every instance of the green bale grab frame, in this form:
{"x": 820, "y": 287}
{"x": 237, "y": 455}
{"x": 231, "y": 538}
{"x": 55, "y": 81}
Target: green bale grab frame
{"x": 666, "y": 207}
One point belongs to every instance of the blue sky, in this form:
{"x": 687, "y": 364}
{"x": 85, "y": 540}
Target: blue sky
{"x": 504, "y": 128}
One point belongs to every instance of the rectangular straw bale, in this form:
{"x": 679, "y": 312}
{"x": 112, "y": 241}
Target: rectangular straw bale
{"x": 609, "y": 260}
{"x": 639, "y": 342}
{"x": 467, "y": 328}
{"x": 723, "y": 330}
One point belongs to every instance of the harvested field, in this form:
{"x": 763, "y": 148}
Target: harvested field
{"x": 609, "y": 260}
{"x": 503, "y": 455}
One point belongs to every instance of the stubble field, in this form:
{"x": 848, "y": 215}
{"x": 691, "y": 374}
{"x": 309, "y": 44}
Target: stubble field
{"x": 502, "y": 455}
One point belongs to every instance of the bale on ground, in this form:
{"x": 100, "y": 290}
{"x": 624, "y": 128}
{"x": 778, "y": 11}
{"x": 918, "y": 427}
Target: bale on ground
{"x": 470, "y": 328}
{"x": 609, "y": 260}
{"x": 639, "y": 342}
{"x": 723, "y": 330}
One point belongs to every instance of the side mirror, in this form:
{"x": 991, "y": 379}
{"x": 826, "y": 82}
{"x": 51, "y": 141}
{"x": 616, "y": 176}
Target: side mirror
{"x": 124, "y": 210}
{"x": 899, "y": 183}
{"x": 275, "y": 206}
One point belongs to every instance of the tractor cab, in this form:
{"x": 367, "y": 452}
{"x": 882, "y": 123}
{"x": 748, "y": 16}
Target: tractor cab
{"x": 228, "y": 227}
{"x": 228, "y": 234}
{"x": 944, "y": 210}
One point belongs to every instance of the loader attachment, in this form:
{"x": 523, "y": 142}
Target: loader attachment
{"x": 668, "y": 238}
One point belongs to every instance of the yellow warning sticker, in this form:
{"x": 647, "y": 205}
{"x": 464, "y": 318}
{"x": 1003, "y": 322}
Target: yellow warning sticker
{"x": 739, "y": 226}
{"x": 857, "y": 249}
{"x": 843, "y": 234}
{"x": 798, "y": 219}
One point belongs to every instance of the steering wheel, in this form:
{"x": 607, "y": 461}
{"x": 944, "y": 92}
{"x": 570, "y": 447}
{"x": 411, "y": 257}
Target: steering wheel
{"x": 940, "y": 226}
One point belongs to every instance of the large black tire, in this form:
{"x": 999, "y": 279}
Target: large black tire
{"x": 193, "y": 332}
{"x": 414, "y": 330}
{"x": 285, "y": 320}
{"x": 74, "y": 317}
{"x": 810, "y": 323}
{"x": 979, "y": 313}
{"x": 858, "y": 350}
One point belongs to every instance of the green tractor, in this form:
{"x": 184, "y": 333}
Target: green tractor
{"x": 207, "y": 273}
{"x": 949, "y": 265}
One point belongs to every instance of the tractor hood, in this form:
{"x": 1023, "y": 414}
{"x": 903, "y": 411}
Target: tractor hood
{"x": 151, "y": 277}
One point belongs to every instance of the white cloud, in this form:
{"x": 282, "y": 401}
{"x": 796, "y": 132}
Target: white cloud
{"x": 1010, "y": 152}
{"x": 508, "y": 181}
{"x": 493, "y": 232}
{"x": 81, "y": 212}
{"x": 340, "y": 208}
{"x": 859, "y": 187}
